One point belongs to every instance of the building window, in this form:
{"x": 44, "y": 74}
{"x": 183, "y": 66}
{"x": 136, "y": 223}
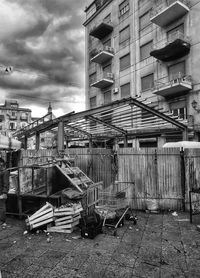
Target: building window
{"x": 107, "y": 42}
{"x": 12, "y": 126}
{"x": 147, "y": 82}
{"x": 92, "y": 78}
{"x": 176, "y": 33}
{"x": 125, "y": 90}
{"x": 179, "y": 108}
{"x": 107, "y": 97}
{"x": 144, "y": 20}
{"x": 107, "y": 69}
{"x": 176, "y": 71}
{"x": 107, "y": 19}
{"x": 145, "y": 50}
{"x": 181, "y": 112}
{"x": 125, "y": 62}
{"x": 123, "y": 8}
{"x": 124, "y": 34}
{"x": 2, "y": 118}
{"x": 93, "y": 102}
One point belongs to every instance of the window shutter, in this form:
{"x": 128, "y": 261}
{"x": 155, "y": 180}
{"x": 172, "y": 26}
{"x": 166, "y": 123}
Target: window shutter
{"x": 175, "y": 33}
{"x": 147, "y": 82}
{"x": 177, "y": 71}
{"x": 93, "y": 102}
{"x": 144, "y": 20}
{"x": 107, "y": 97}
{"x": 125, "y": 90}
{"x": 92, "y": 78}
{"x": 124, "y": 34}
{"x": 123, "y": 7}
{"x": 145, "y": 50}
{"x": 125, "y": 61}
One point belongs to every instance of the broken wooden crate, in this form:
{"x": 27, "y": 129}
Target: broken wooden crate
{"x": 41, "y": 217}
{"x": 66, "y": 218}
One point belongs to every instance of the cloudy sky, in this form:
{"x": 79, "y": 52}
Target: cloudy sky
{"x": 42, "y": 41}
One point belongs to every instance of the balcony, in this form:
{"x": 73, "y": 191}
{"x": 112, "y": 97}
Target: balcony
{"x": 174, "y": 87}
{"x": 13, "y": 117}
{"x": 106, "y": 80}
{"x": 24, "y": 117}
{"x": 163, "y": 16}
{"x": 103, "y": 55}
{"x": 101, "y": 30}
{"x": 176, "y": 47}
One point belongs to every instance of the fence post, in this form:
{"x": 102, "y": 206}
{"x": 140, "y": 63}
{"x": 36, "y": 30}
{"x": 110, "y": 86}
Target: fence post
{"x": 182, "y": 177}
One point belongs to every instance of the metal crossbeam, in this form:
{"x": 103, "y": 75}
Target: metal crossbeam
{"x": 106, "y": 124}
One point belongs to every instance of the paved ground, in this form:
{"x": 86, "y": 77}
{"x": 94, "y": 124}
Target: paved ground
{"x": 160, "y": 245}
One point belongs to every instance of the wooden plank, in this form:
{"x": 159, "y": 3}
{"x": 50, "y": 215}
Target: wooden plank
{"x": 62, "y": 213}
{"x": 43, "y": 209}
{"x": 68, "y": 226}
{"x": 42, "y": 218}
{"x": 41, "y": 223}
{"x": 56, "y": 230}
{"x": 74, "y": 184}
{"x": 69, "y": 221}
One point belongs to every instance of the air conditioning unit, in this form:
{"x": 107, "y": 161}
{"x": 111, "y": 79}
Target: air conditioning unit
{"x": 108, "y": 48}
{"x": 115, "y": 90}
{"x": 110, "y": 75}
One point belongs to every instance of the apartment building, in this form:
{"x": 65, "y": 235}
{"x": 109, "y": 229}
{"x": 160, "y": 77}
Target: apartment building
{"x": 146, "y": 49}
{"x": 13, "y": 117}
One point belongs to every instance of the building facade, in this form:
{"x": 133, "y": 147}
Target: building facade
{"x": 13, "y": 117}
{"x": 146, "y": 49}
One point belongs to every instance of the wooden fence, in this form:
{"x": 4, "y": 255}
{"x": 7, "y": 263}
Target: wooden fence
{"x": 164, "y": 175}
{"x": 155, "y": 175}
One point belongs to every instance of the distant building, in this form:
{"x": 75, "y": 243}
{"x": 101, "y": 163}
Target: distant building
{"x": 148, "y": 49}
{"x": 13, "y": 117}
{"x": 47, "y": 138}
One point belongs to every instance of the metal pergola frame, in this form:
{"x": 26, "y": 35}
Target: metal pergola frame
{"x": 123, "y": 119}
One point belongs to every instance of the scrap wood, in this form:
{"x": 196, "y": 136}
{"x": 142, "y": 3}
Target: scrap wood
{"x": 43, "y": 217}
{"x": 61, "y": 229}
{"x": 62, "y": 219}
{"x": 72, "y": 220}
{"x": 45, "y": 207}
{"x": 69, "y": 225}
{"x": 55, "y": 230}
{"x": 68, "y": 209}
{"x": 32, "y": 218}
{"x": 33, "y": 226}
{"x": 68, "y": 217}
{"x": 74, "y": 184}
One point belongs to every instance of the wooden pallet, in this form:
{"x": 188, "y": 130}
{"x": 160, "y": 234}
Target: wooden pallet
{"x": 66, "y": 218}
{"x": 76, "y": 177}
{"x": 41, "y": 217}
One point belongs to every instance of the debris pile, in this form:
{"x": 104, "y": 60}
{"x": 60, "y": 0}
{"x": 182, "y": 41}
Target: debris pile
{"x": 66, "y": 218}
{"x": 63, "y": 219}
{"x": 41, "y": 217}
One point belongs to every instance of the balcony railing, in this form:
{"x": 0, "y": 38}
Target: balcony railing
{"x": 101, "y": 30}
{"x": 24, "y": 117}
{"x": 107, "y": 79}
{"x": 102, "y": 55}
{"x": 13, "y": 117}
{"x": 175, "y": 86}
{"x": 177, "y": 46}
{"x": 163, "y": 15}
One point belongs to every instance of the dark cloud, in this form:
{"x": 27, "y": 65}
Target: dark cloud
{"x": 43, "y": 41}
